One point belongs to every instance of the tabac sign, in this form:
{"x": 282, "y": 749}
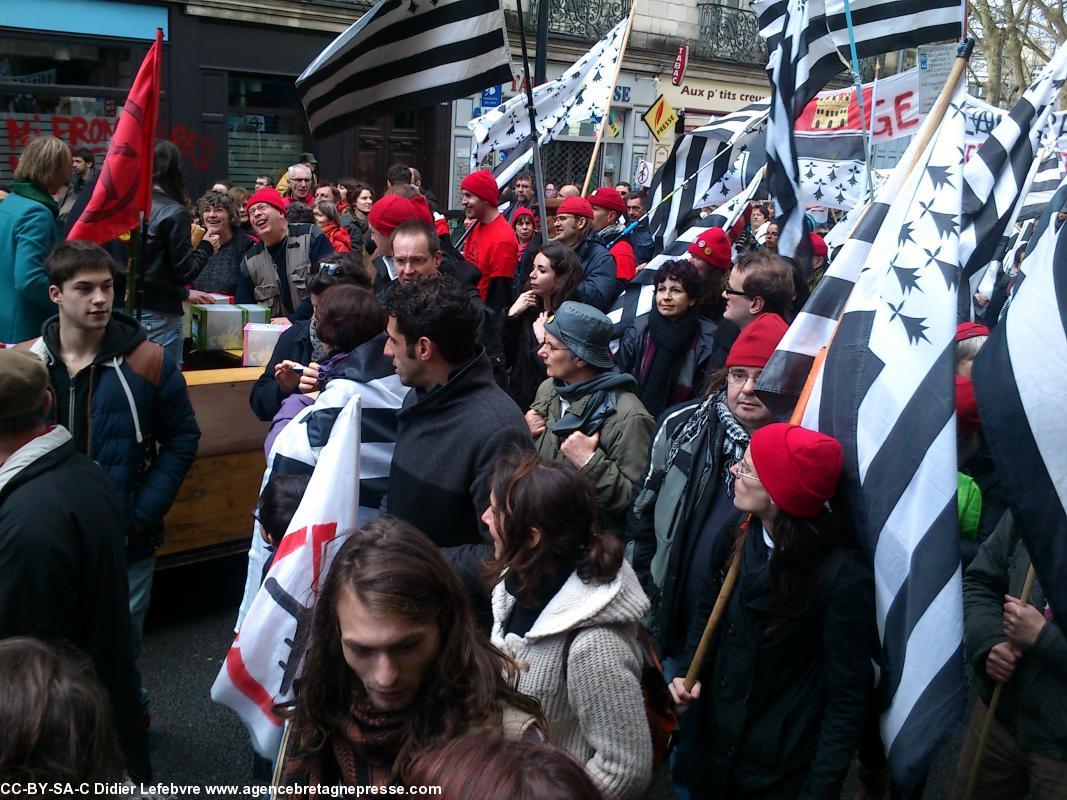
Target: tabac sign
{"x": 660, "y": 118}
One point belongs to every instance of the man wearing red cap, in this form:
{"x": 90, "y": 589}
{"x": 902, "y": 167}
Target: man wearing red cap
{"x": 276, "y": 270}
{"x": 574, "y": 226}
{"x": 492, "y": 246}
{"x": 387, "y": 213}
{"x": 684, "y": 502}
{"x": 608, "y": 206}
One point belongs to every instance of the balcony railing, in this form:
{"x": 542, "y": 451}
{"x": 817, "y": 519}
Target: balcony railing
{"x": 587, "y": 20}
{"x": 730, "y": 34}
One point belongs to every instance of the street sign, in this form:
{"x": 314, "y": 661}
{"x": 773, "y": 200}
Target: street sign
{"x": 491, "y": 97}
{"x": 660, "y": 118}
{"x": 935, "y": 63}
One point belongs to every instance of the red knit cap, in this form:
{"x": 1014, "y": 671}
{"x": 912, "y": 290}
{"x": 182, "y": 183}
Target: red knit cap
{"x": 607, "y": 197}
{"x": 754, "y": 346}
{"x": 968, "y": 330}
{"x": 578, "y": 206}
{"x": 268, "y": 195}
{"x": 521, "y": 212}
{"x": 390, "y": 210}
{"x": 798, "y": 468}
{"x": 482, "y": 184}
{"x": 712, "y": 246}
{"x": 818, "y": 245}
{"x": 422, "y": 209}
{"x": 967, "y": 419}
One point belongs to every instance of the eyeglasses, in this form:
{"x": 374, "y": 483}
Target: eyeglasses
{"x": 331, "y": 269}
{"x": 551, "y": 347}
{"x": 300, "y": 180}
{"x": 742, "y": 474}
{"x": 735, "y": 292}
{"x": 415, "y": 261}
{"x": 738, "y": 377}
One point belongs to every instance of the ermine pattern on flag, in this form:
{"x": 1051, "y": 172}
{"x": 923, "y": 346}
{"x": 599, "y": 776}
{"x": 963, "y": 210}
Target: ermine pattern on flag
{"x": 403, "y": 55}
{"x": 995, "y": 176}
{"x": 266, "y": 656}
{"x": 808, "y": 41}
{"x": 723, "y": 140}
{"x": 783, "y": 378}
{"x": 886, "y": 392}
{"x": 582, "y": 93}
{"x": 370, "y": 375}
{"x": 1020, "y": 381}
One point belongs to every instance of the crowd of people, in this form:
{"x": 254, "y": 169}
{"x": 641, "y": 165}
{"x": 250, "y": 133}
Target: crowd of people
{"x": 550, "y": 509}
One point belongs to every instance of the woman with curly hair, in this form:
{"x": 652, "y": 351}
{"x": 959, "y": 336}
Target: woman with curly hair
{"x": 396, "y": 664}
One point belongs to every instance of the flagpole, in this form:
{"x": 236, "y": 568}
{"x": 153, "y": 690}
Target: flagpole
{"x": 611, "y": 95}
{"x": 994, "y": 701}
{"x": 869, "y": 150}
{"x": 539, "y": 177}
{"x": 859, "y": 87}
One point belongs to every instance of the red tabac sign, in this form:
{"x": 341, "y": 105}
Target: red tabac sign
{"x": 681, "y": 61}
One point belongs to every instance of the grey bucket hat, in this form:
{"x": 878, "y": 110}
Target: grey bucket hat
{"x": 585, "y": 331}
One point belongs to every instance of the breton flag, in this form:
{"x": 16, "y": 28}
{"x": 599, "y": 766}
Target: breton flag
{"x": 267, "y": 654}
{"x": 582, "y": 93}
{"x": 808, "y": 41}
{"x": 124, "y": 191}
{"x": 402, "y": 55}
{"x": 782, "y": 380}
{"x": 995, "y": 178}
{"x": 1043, "y": 188}
{"x": 886, "y": 391}
{"x": 722, "y": 141}
{"x": 640, "y": 293}
{"x": 1020, "y": 381}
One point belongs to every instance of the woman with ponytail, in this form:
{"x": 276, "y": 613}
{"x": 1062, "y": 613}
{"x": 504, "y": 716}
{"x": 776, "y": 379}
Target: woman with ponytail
{"x": 786, "y": 676}
{"x": 567, "y": 607}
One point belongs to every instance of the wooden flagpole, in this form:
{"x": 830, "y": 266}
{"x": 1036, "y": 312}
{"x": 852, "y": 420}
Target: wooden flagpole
{"x": 937, "y": 114}
{"x": 611, "y": 94}
{"x": 994, "y": 701}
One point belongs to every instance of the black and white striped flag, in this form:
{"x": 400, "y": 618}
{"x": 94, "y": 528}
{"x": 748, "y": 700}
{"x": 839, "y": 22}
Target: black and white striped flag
{"x": 1020, "y": 382}
{"x": 995, "y": 178}
{"x": 723, "y": 141}
{"x": 403, "y": 55}
{"x": 808, "y": 42}
{"x": 782, "y": 380}
{"x": 1046, "y": 181}
{"x": 886, "y": 392}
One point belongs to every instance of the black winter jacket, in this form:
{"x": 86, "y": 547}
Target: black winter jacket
{"x": 448, "y": 439}
{"x": 61, "y": 540}
{"x": 632, "y": 352}
{"x": 170, "y": 260}
{"x": 130, "y": 412}
{"x": 294, "y": 344}
{"x": 782, "y": 703}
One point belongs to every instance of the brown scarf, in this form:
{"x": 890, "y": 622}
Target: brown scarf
{"x": 366, "y": 754}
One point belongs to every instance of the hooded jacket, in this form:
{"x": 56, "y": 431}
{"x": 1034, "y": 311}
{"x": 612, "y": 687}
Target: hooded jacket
{"x": 129, "y": 411}
{"x": 448, "y": 439}
{"x": 61, "y": 540}
{"x": 596, "y": 713}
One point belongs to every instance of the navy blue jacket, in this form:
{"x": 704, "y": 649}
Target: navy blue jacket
{"x": 129, "y": 411}
{"x": 599, "y": 288}
{"x": 293, "y": 345}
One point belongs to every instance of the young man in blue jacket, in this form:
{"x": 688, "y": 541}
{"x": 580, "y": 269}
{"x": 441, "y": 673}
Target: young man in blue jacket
{"x": 124, "y": 402}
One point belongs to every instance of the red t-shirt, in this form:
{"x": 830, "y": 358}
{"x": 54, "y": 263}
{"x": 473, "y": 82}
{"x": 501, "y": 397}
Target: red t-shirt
{"x": 625, "y": 260}
{"x": 494, "y": 249}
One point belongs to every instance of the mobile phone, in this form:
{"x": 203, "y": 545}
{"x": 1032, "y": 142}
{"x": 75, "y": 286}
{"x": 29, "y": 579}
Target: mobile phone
{"x": 299, "y": 370}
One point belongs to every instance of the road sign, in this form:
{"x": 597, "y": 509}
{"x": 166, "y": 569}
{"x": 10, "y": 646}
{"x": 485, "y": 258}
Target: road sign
{"x": 491, "y": 97}
{"x": 660, "y": 118}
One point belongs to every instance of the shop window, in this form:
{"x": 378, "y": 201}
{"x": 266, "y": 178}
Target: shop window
{"x": 265, "y": 130}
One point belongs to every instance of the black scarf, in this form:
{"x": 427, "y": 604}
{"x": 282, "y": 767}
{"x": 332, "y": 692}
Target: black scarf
{"x": 671, "y": 340}
{"x": 601, "y": 405}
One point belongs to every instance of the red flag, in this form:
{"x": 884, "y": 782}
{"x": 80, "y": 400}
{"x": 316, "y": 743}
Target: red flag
{"x": 124, "y": 188}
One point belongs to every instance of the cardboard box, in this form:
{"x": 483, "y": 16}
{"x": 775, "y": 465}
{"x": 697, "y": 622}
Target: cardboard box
{"x": 217, "y": 327}
{"x": 255, "y": 313}
{"x": 260, "y": 339}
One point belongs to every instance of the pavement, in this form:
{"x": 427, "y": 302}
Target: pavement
{"x": 195, "y": 741}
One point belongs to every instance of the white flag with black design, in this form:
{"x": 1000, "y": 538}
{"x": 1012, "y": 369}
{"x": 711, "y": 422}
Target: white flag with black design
{"x": 995, "y": 178}
{"x": 808, "y": 42}
{"x": 403, "y": 55}
{"x": 1043, "y": 188}
{"x": 1020, "y": 382}
{"x": 581, "y": 94}
{"x": 886, "y": 391}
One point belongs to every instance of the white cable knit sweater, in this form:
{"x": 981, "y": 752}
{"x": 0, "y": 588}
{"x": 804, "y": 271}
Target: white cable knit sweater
{"x": 599, "y": 715}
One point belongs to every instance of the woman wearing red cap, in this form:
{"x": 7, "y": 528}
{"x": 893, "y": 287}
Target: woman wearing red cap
{"x": 523, "y": 223}
{"x": 784, "y": 685}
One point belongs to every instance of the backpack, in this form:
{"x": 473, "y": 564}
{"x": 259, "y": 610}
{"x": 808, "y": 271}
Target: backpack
{"x": 659, "y": 707}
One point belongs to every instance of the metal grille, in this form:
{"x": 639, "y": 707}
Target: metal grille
{"x": 566, "y": 162}
{"x": 730, "y": 34}
{"x": 587, "y": 20}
